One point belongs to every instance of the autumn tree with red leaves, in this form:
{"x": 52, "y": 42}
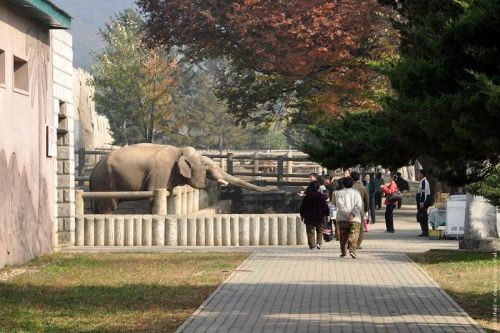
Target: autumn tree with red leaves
{"x": 292, "y": 55}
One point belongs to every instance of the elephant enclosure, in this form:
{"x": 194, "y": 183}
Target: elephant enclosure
{"x": 278, "y": 167}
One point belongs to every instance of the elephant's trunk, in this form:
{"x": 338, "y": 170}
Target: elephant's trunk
{"x": 249, "y": 186}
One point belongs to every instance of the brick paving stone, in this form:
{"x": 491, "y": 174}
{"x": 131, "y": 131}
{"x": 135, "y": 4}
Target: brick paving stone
{"x": 294, "y": 289}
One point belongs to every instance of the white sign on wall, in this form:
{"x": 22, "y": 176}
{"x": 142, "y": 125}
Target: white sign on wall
{"x": 51, "y": 141}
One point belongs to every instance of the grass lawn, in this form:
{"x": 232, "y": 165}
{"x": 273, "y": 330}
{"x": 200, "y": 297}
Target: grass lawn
{"x": 110, "y": 292}
{"x": 468, "y": 277}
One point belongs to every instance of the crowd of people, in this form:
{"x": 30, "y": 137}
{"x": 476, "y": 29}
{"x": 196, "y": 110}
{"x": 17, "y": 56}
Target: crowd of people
{"x": 342, "y": 209}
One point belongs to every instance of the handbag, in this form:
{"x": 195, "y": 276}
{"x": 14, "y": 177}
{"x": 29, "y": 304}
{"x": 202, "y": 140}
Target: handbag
{"x": 327, "y": 234}
{"x": 327, "y": 231}
{"x": 396, "y": 196}
{"x": 365, "y": 225}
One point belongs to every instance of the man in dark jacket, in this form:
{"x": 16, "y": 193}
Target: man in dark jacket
{"x": 312, "y": 178}
{"x": 424, "y": 200}
{"x": 314, "y": 211}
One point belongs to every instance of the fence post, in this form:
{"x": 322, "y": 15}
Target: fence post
{"x": 230, "y": 163}
{"x": 159, "y": 202}
{"x": 177, "y": 200}
{"x": 183, "y": 195}
{"x": 189, "y": 199}
{"x": 280, "y": 169}
{"x": 255, "y": 164}
{"x": 81, "y": 166}
{"x": 79, "y": 204}
{"x": 196, "y": 200}
{"x": 289, "y": 164}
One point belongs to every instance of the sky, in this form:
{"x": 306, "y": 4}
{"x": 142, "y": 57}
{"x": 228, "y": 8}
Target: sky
{"x": 88, "y": 17}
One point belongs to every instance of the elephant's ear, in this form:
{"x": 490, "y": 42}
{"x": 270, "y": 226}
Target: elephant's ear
{"x": 184, "y": 167}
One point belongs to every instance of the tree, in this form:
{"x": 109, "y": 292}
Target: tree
{"x": 293, "y": 56}
{"x": 489, "y": 187}
{"x": 134, "y": 83}
{"x": 203, "y": 121}
{"x": 444, "y": 109}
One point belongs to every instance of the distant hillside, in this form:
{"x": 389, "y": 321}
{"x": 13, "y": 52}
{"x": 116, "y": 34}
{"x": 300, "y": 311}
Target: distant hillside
{"x": 88, "y": 17}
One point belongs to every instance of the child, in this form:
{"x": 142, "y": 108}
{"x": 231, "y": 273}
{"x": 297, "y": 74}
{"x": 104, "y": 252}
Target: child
{"x": 333, "y": 218}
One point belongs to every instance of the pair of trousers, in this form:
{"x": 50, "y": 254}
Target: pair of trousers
{"x": 423, "y": 219}
{"x": 314, "y": 235}
{"x": 349, "y": 232}
{"x": 378, "y": 199}
{"x": 360, "y": 234}
{"x": 389, "y": 218}
{"x": 372, "y": 208}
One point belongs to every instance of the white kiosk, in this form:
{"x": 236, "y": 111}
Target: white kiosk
{"x": 455, "y": 216}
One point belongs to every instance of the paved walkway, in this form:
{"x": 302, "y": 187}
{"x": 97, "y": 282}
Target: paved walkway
{"x": 292, "y": 289}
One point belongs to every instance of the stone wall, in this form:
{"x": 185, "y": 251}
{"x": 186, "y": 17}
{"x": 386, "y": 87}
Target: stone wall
{"x": 208, "y": 230}
{"x": 63, "y": 113}
{"x": 92, "y": 130}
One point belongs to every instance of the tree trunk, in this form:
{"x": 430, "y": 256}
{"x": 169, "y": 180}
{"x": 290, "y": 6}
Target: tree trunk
{"x": 481, "y": 225}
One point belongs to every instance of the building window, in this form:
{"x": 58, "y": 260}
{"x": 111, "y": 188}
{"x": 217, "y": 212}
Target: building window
{"x": 2, "y": 67}
{"x": 20, "y": 74}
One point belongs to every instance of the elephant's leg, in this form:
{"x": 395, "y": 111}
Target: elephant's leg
{"x": 104, "y": 206}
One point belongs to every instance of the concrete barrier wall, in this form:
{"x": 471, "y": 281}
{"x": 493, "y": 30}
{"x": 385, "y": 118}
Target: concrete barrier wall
{"x": 186, "y": 200}
{"x": 193, "y": 230}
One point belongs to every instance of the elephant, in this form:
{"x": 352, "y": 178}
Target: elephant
{"x": 147, "y": 166}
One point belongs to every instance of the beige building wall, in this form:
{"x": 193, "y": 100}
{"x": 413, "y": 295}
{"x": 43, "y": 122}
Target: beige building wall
{"x": 26, "y": 173}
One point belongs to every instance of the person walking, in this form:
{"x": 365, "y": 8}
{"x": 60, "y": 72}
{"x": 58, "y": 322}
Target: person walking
{"x": 389, "y": 189}
{"x": 377, "y": 183}
{"x": 314, "y": 211}
{"x": 424, "y": 200}
{"x": 402, "y": 186}
{"x": 358, "y": 186}
{"x": 347, "y": 173}
{"x": 312, "y": 177}
{"x": 371, "y": 189}
{"x": 321, "y": 181}
{"x": 329, "y": 186}
{"x": 348, "y": 203}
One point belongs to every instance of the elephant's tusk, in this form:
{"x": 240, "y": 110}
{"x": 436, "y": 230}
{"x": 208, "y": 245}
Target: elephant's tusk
{"x": 222, "y": 182}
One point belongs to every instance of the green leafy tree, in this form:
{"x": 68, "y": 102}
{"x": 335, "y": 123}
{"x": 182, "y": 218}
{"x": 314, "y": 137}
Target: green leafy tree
{"x": 134, "y": 84}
